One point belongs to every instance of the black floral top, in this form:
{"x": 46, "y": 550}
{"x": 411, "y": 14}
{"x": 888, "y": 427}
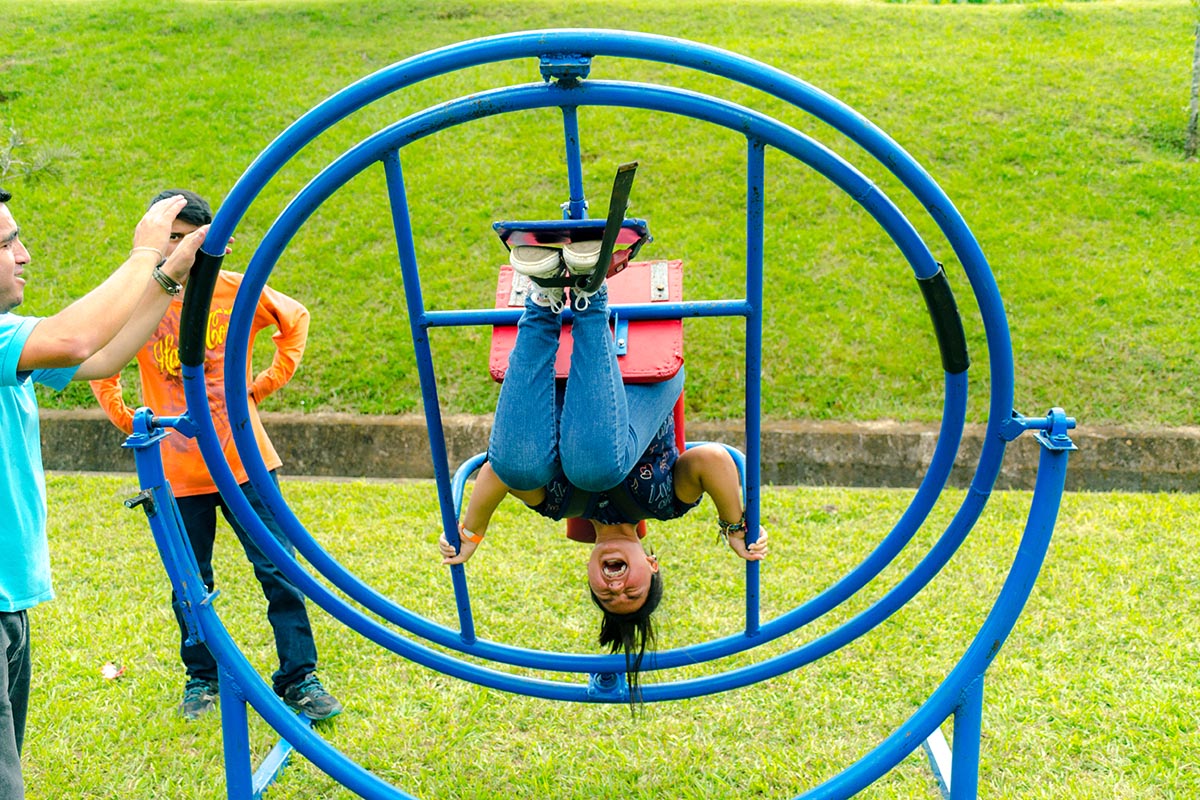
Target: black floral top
{"x": 648, "y": 491}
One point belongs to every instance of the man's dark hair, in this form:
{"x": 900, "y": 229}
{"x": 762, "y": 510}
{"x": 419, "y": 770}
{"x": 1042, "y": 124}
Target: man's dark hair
{"x": 5, "y": 195}
{"x": 632, "y": 634}
{"x": 197, "y": 211}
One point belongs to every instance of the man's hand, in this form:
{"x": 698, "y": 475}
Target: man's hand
{"x": 179, "y": 264}
{"x": 154, "y": 229}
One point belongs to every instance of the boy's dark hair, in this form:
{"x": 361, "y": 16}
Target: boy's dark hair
{"x": 5, "y": 196}
{"x": 197, "y": 211}
{"x": 632, "y": 634}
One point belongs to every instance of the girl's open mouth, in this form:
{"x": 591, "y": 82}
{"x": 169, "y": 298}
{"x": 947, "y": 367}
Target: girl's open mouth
{"x": 613, "y": 568}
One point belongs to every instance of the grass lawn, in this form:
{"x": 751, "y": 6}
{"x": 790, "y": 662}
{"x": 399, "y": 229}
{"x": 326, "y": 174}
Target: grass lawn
{"x": 1056, "y": 128}
{"x": 1094, "y": 696}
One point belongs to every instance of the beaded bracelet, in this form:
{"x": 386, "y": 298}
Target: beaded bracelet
{"x": 473, "y": 538}
{"x": 732, "y": 528}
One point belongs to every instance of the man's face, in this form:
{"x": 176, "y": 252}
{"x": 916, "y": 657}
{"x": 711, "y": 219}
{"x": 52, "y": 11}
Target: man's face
{"x": 179, "y": 229}
{"x": 13, "y": 258}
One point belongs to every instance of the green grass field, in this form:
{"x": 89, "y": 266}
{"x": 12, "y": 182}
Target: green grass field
{"x": 1094, "y": 695}
{"x": 1057, "y": 129}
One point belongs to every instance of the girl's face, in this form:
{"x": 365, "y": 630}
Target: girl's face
{"x": 619, "y": 573}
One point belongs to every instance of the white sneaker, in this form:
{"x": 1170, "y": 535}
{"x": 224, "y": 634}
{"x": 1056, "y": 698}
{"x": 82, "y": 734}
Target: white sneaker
{"x": 534, "y": 261}
{"x": 581, "y": 257}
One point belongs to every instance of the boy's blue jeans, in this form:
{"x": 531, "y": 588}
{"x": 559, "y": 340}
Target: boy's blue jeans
{"x": 285, "y": 602}
{"x": 597, "y": 429}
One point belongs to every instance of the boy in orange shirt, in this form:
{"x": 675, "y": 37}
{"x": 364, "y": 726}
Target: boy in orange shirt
{"x": 196, "y": 494}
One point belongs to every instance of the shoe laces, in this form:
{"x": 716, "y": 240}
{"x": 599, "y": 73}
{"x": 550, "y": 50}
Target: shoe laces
{"x": 581, "y": 300}
{"x": 555, "y": 299}
{"x": 552, "y": 295}
{"x": 196, "y": 691}
{"x": 310, "y": 686}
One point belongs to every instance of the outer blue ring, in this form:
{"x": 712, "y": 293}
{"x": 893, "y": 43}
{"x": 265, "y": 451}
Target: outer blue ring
{"x": 802, "y": 95}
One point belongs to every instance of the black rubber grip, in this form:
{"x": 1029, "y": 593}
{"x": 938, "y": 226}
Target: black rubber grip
{"x": 947, "y": 324}
{"x": 193, "y": 323}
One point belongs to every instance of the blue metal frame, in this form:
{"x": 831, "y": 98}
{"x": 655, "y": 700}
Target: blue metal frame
{"x": 381, "y": 146}
{"x": 565, "y": 58}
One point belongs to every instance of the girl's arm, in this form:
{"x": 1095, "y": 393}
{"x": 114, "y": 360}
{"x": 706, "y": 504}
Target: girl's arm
{"x": 489, "y": 491}
{"x": 709, "y": 469}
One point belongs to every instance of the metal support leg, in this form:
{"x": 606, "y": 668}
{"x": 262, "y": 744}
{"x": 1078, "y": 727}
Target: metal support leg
{"x": 964, "y": 757}
{"x": 235, "y": 730}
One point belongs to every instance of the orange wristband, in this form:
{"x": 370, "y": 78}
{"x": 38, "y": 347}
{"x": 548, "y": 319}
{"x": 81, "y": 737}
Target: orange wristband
{"x": 473, "y": 538}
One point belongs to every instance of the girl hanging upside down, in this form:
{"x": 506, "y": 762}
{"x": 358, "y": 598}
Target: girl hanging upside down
{"x": 599, "y": 450}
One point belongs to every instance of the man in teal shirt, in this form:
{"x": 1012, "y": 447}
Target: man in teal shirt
{"x": 91, "y": 338}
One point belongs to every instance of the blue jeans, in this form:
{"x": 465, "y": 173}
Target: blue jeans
{"x": 285, "y": 602}
{"x": 14, "y": 700}
{"x": 596, "y": 429}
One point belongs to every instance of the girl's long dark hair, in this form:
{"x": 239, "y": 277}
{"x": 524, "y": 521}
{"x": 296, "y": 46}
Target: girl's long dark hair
{"x": 632, "y": 634}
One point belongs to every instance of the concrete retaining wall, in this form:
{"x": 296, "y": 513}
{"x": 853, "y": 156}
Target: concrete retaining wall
{"x": 794, "y": 453}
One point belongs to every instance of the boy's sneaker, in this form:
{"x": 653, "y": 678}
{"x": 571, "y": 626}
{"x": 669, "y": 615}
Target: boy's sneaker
{"x": 309, "y": 696}
{"x": 199, "y": 698}
{"x": 536, "y": 262}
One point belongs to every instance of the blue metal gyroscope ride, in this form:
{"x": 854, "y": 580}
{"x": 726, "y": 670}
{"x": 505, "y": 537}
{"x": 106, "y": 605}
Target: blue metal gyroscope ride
{"x": 565, "y": 58}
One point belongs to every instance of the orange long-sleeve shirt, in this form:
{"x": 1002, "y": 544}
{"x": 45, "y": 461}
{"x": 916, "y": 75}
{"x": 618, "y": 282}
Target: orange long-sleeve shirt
{"x": 162, "y": 381}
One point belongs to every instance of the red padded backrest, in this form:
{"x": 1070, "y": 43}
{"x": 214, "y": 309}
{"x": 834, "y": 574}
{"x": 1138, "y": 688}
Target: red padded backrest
{"x": 654, "y": 347}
